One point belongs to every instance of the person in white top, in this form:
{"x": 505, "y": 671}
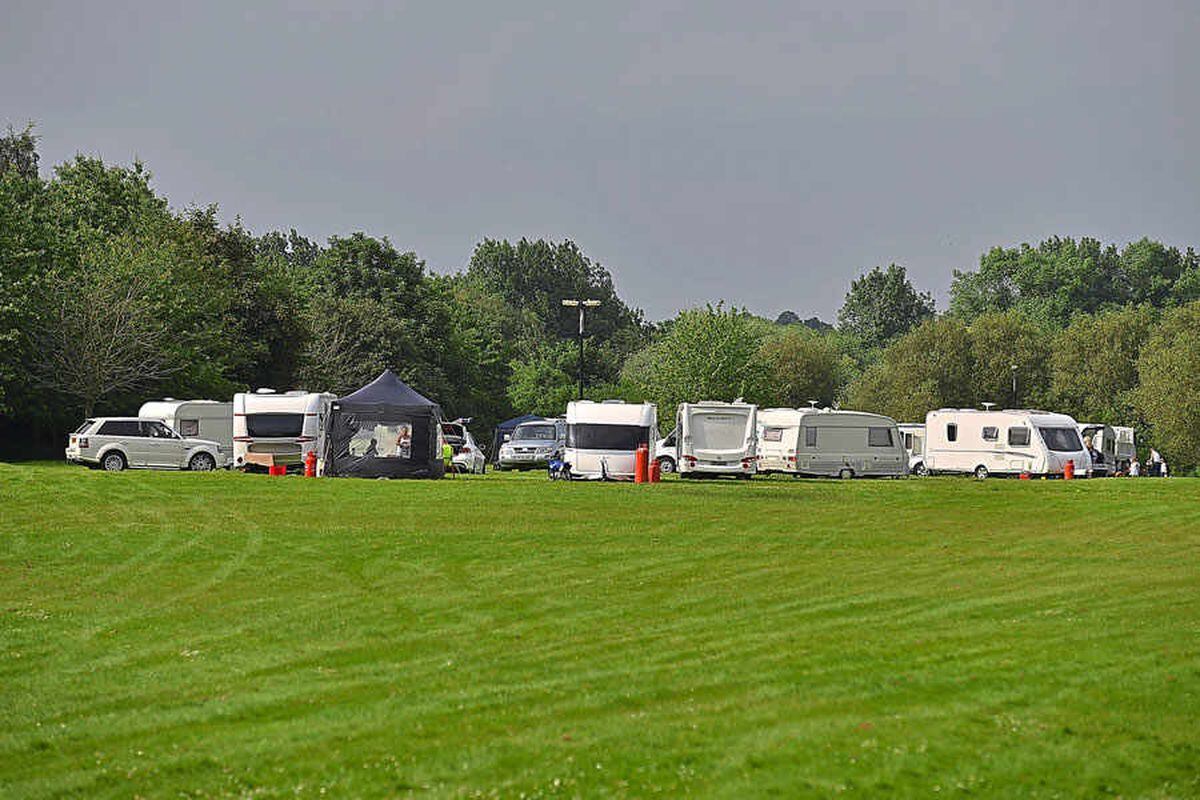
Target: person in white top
{"x": 1135, "y": 467}
{"x": 1154, "y": 464}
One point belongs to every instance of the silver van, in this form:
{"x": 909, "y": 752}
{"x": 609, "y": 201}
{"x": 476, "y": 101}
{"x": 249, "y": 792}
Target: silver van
{"x": 117, "y": 443}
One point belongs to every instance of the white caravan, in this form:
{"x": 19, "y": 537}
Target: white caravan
{"x": 913, "y": 434}
{"x": 602, "y": 438}
{"x": 196, "y": 419}
{"x": 717, "y": 438}
{"x": 271, "y": 428}
{"x": 1104, "y": 441}
{"x": 1008, "y": 442}
{"x": 849, "y": 444}
{"x": 778, "y": 439}
{"x": 1126, "y": 447}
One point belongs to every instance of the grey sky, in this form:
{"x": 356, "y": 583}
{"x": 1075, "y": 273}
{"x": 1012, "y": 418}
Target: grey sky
{"x": 761, "y": 153}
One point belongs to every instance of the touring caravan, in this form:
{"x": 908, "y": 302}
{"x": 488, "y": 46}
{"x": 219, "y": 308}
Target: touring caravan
{"x": 849, "y": 444}
{"x": 913, "y": 436}
{"x": 271, "y": 428}
{"x": 602, "y": 438}
{"x": 1104, "y": 441}
{"x": 196, "y": 419}
{"x": 778, "y": 439}
{"x": 717, "y": 439}
{"x": 1009, "y": 442}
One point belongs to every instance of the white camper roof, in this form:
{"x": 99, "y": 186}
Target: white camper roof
{"x": 1033, "y": 416}
{"x": 161, "y": 409}
{"x": 611, "y": 412}
{"x": 254, "y": 402}
{"x": 779, "y": 417}
{"x": 840, "y": 417}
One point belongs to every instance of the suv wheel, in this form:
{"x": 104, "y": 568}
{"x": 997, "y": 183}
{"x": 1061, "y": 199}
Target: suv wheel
{"x": 113, "y": 461}
{"x": 202, "y": 462}
{"x": 921, "y": 470}
{"x": 666, "y": 465}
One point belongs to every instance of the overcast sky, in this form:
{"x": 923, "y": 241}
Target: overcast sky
{"x": 761, "y": 153}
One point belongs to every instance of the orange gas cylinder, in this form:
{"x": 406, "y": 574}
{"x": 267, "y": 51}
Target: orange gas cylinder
{"x": 641, "y": 464}
{"x": 1069, "y": 470}
{"x": 310, "y": 464}
{"x": 655, "y": 471}
{"x": 277, "y": 469}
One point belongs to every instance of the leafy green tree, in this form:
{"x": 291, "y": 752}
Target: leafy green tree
{"x": 803, "y": 365}
{"x": 18, "y": 153}
{"x": 930, "y": 367}
{"x": 1093, "y": 364}
{"x": 1001, "y": 340}
{"x": 882, "y": 304}
{"x": 711, "y": 353}
{"x": 1169, "y": 388}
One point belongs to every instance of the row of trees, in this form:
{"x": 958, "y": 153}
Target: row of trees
{"x": 108, "y": 296}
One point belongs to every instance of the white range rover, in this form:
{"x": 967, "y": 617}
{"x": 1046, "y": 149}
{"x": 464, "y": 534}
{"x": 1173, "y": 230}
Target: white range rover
{"x": 117, "y": 443}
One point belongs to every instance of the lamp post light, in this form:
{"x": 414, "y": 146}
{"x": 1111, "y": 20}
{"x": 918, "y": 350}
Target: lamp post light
{"x": 581, "y": 305}
{"x": 1014, "y": 384}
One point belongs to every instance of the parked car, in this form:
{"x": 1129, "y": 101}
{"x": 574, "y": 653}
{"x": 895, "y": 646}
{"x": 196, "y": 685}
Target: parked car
{"x": 666, "y": 452}
{"x": 117, "y": 443}
{"x": 533, "y": 444}
{"x": 468, "y": 455}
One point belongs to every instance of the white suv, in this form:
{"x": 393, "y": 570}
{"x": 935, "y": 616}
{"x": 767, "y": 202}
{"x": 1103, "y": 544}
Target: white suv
{"x": 116, "y": 443}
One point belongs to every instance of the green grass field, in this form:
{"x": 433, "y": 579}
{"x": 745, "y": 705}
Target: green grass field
{"x": 225, "y": 635}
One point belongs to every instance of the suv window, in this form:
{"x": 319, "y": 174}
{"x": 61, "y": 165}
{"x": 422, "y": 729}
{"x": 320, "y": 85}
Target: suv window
{"x": 120, "y": 427}
{"x": 87, "y": 423}
{"x": 156, "y": 430}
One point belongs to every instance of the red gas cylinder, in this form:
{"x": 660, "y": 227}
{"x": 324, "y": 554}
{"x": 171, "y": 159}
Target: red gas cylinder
{"x": 310, "y": 464}
{"x": 655, "y": 471}
{"x": 277, "y": 469}
{"x": 641, "y": 464}
{"x": 1069, "y": 470}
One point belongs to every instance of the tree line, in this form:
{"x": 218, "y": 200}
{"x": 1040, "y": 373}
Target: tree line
{"x": 109, "y": 296}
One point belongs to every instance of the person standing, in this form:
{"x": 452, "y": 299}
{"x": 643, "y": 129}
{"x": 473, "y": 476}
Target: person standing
{"x": 1154, "y": 464}
{"x": 1135, "y": 467}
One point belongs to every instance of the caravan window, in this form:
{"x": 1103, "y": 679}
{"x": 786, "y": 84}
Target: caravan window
{"x": 810, "y": 437}
{"x": 879, "y": 437}
{"x": 1018, "y": 437}
{"x": 591, "y": 436}
{"x": 1061, "y": 440}
{"x": 908, "y": 441}
{"x": 189, "y": 427}
{"x": 952, "y": 432}
{"x": 772, "y": 434}
{"x": 991, "y": 433}
{"x": 272, "y": 426}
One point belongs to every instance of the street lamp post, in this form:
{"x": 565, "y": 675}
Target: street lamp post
{"x": 1014, "y": 377}
{"x": 581, "y": 305}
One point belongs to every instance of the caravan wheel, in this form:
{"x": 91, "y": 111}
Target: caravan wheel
{"x": 981, "y": 472}
{"x": 846, "y": 473}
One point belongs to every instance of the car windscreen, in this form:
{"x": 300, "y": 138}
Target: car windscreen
{"x": 269, "y": 426}
{"x": 590, "y": 436}
{"x": 525, "y": 433}
{"x": 1061, "y": 440}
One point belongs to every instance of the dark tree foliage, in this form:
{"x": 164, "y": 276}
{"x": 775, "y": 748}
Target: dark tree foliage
{"x": 882, "y": 304}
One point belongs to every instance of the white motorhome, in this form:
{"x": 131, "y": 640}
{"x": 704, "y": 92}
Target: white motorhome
{"x": 196, "y": 419}
{"x": 271, "y": 428}
{"x": 717, "y": 438}
{"x": 1008, "y": 442}
{"x": 778, "y": 439}
{"x": 913, "y": 436}
{"x": 1104, "y": 441}
{"x": 602, "y": 438}
{"x": 849, "y": 444}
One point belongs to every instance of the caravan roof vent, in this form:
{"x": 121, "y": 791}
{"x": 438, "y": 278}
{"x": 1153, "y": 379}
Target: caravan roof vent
{"x": 168, "y": 399}
{"x": 813, "y": 403}
{"x": 620, "y": 402}
{"x": 264, "y": 390}
{"x": 295, "y": 393}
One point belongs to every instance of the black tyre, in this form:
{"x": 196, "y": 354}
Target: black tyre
{"x": 921, "y": 470}
{"x": 202, "y": 462}
{"x": 666, "y": 465}
{"x": 981, "y": 473}
{"x": 113, "y": 461}
{"x": 846, "y": 473}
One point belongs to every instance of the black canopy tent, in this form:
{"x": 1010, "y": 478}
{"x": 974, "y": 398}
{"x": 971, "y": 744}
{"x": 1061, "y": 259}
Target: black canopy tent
{"x": 384, "y": 430}
{"x": 504, "y": 430}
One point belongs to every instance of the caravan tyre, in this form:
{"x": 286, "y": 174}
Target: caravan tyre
{"x": 666, "y": 465}
{"x": 202, "y": 462}
{"x": 846, "y": 473}
{"x": 113, "y": 461}
{"x": 981, "y": 472}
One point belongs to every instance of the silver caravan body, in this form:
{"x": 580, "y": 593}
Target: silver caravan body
{"x": 717, "y": 438}
{"x": 602, "y": 438}
{"x": 1009, "y": 442}
{"x": 196, "y": 419}
{"x": 849, "y": 444}
{"x": 913, "y": 436}
{"x": 278, "y": 428}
